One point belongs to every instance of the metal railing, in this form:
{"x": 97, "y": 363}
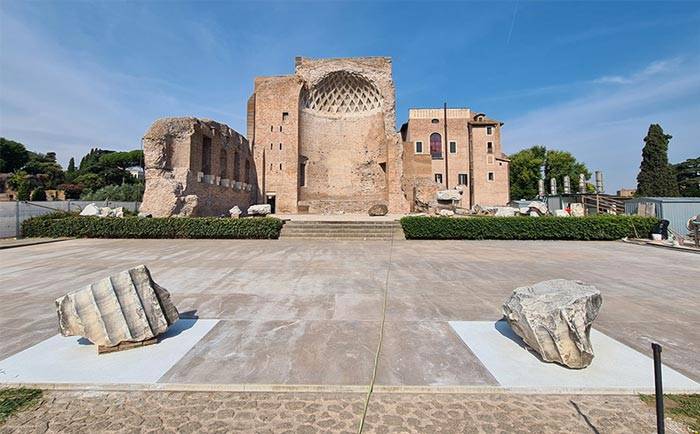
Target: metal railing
{"x": 603, "y": 204}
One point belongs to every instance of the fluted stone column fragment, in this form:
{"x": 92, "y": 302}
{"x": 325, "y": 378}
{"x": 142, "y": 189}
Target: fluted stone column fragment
{"x": 554, "y": 318}
{"x": 125, "y": 307}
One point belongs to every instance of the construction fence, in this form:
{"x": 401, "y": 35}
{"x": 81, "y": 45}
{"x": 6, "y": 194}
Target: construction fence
{"x": 12, "y": 214}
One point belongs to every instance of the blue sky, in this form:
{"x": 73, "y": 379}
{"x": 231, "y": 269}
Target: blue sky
{"x": 587, "y": 77}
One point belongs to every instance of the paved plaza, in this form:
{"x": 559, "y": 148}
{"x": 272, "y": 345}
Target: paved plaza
{"x": 299, "y": 316}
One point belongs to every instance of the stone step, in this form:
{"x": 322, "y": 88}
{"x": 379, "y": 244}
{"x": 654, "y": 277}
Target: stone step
{"x": 341, "y": 223}
{"x": 346, "y": 230}
{"x": 334, "y": 235}
{"x": 340, "y": 229}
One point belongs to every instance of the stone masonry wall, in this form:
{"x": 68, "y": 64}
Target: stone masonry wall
{"x": 276, "y": 145}
{"x": 196, "y": 168}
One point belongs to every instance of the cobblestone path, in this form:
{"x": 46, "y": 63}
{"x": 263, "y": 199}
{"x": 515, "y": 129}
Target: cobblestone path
{"x": 183, "y": 412}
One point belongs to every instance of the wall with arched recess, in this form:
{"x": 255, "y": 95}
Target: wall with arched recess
{"x": 346, "y": 129}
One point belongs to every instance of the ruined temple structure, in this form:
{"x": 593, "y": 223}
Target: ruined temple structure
{"x": 324, "y": 140}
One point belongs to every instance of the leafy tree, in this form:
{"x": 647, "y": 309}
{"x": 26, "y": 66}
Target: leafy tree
{"x": 525, "y": 168}
{"x": 38, "y": 194}
{"x": 13, "y": 155}
{"x": 126, "y": 192}
{"x": 71, "y": 191}
{"x": 525, "y": 172}
{"x": 122, "y": 160}
{"x": 20, "y": 182}
{"x": 110, "y": 165}
{"x": 90, "y": 181}
{"x": 45, "y": 169}
{"x": 688, "y": 177}
{"x": 90, "y": 162}
{"x": 656, "y": 177}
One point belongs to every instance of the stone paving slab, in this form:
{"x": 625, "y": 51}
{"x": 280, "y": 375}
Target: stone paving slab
{"x": 189, "y": 412}
{"x": 315, "y": 289}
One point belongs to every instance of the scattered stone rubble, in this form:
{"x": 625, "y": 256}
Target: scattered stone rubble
{"x": 235, "y": 212}
{"x": 447, "y": 203}
{"x": 554, "y": 318}
{"x": 260, "y": 209}
{"x": 105, "y": 211}
{"x": 127, "y": 307}
{"x": 378, "y": 210}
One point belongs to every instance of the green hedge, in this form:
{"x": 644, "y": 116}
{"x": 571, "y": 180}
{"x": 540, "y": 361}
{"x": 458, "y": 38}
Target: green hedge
{"x": 527, "y": 228}
{"x": 70, "y": 225}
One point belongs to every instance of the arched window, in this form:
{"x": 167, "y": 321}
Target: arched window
{"x": 436, "y": 146}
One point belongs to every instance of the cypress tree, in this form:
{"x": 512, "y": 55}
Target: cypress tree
{"x": 71, "y": 165}
{"x": 656, "y": 177}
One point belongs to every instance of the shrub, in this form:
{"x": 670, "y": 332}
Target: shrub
{"x": 38, "y": 194}
{"x": 527, "y": 228}
{"x": 70, "y": 225}
{"x": 125, "y": 192}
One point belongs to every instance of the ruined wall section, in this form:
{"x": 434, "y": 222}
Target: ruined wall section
{"x": 276, "y": 146}
{"x": 196, "y": 168}
{"x": 348, "y": 143}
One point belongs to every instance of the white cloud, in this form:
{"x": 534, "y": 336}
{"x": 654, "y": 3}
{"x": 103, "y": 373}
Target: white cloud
{"x": 604, "y": 127}
{"x": 55, "y": 100}
{"x": 654, "y": 68}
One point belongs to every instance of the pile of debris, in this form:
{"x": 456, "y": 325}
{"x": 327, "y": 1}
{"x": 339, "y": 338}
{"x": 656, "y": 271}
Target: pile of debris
{"x": 93, "y": 211}
{"x": 448, "y": 204}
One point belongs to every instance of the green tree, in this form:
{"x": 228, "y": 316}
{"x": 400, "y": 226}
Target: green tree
{"x": 688, "y": 177}
{"x": 560, "y": 164}
{"x": 20, "y": 182}
{"x": 126, "y": 192}
{"x": 71, "y": 191}
{"x": 656, "y": 177}
{"x": 13, "y": 155}
{"x": 525, "y": 172}
{"x": 38, "y": 194}
{"x": 525, "y": 167}
{"x": 45, "y": 169}
{"x": 90, "y": 181}
{"x": 71, "y": 165}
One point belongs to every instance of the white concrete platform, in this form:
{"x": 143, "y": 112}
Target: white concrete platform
{"x": 615, "y": 366}
{"x": 62, "y": 359}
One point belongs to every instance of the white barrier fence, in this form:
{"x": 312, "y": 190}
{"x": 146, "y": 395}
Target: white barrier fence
{"x": 14, "y": 213}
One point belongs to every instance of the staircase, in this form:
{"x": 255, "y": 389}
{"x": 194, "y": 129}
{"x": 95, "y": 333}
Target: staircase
{"x": 342, "y": 230}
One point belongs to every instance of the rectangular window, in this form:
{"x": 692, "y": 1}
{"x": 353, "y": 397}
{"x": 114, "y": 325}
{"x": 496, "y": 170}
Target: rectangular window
{"x": 463, "y": 179}
{"x": 223, "y": 162}
{"x": 438, "y": 178}
{"x": 489, "y": 159}
{"x": 491, "y": 176}
{"x": 453, "y": 147}
{"x": 272, "y": 128}
{"x": 419, "y": 147}
{"x": 271, "y": 145}
{"x": 280, "y": 166}
{"x": 206, "y": 155}
{"x": 489, "y": 130}
{"x": 489, "y": 147}
{"x": 280, "y": 128}
{"x": 280, "y": 146}
{"x": 302, "y": 174}
{"x": 285, "y": 115}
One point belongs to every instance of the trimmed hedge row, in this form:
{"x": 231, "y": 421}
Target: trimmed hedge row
{"x": 527, "y": 228}
{"x": 70, "y": 225}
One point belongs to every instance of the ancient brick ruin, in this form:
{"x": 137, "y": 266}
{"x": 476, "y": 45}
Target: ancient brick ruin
{"x": 324, "y": 140}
